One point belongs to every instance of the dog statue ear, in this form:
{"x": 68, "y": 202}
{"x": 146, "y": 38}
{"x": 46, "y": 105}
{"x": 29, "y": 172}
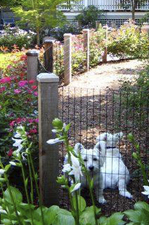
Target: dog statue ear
{"x": 118, "y": 136}
{"x": 102, "y": 137}
{"x": 78, "y": 148}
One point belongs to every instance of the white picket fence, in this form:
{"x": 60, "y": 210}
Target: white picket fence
{"x": 110, "y": 5}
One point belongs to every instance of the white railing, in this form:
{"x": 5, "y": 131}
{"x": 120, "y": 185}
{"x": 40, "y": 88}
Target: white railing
{"x": 109, "y": 5}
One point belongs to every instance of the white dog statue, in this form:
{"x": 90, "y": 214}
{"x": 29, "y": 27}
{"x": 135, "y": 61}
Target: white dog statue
{"x": 93, "y": 161}
{"x": 114, "y": 172}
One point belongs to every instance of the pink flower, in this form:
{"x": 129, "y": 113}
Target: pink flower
{"x": 2, "y": 89}
{"x": 22, "y": 83}
{"x": 36, "y": 120}
{"x": 5, "y": 80}
{"x": 34, "y": 87}
{"x": 29, "y": 91}
{"x": 17, "y": 91}
{"x": 33, "y": 131}
{"x": 31, "y": 82}
{"x": 31, "y": 120}
{"x": 36, "y": 93}
{"x": 12, "y": 123}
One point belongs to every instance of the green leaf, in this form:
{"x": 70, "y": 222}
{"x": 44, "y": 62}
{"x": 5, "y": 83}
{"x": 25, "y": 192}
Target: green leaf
{"x": 81, "y": 203}
{"x": 87, "y": 217}
{"x": 67, "y": 127}
{"x": 133, "y": 215}
{"x": 141, "y": 205}
{"x": 17, "y": 196}
{"x": 57, "y": 123}
{"x": 64, "y": 217}
{"x": 7, "y": 167}
{"x": 115, "y": 219}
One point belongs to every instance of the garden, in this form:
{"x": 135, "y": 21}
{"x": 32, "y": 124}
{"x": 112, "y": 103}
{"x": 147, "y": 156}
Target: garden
{"x": 83, "y": 113}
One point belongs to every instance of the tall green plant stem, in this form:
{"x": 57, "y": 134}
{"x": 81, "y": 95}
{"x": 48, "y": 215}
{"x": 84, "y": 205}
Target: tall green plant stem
{"x": 26, "y": 191}
{"x": 37, "y": 189}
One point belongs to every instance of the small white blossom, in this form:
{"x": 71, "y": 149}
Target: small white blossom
{"x": 146, "y": 191}
{"x": 2, "y": 171}
{"x": 76, "y": 168}
{"x": 54, "y": 141}
{"x": 76, "y": 187}
{"x": 12, "y": 163}
{"x": 66, "y": 168}
{"x": 17, "y": 142}
{"x": 54, "y": 131}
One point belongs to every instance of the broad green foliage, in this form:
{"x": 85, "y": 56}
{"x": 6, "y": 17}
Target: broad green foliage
{"x": 140, "y": 214}
{"x": 38, "y": 14}
{"x": 89, "y": 16}
{"x": 128, "y": 41}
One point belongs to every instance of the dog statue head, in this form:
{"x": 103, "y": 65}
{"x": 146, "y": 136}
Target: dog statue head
{"x": 93, "y": 158}
{"x": 111, "y": 140}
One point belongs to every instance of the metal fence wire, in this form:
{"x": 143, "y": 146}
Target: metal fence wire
{"x": 92, "y": 112}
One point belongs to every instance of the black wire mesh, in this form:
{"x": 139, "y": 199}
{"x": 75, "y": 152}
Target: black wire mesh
{"x": 92, "y": 112}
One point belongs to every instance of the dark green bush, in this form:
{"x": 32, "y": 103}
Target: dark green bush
{"x": 89, "y": 16}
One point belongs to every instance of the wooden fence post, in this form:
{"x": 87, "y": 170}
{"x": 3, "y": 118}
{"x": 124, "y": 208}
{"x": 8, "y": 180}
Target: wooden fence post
{"x": 48, "y": 154}
{"x": 32, "y": 64}
{"x": 48, "y": 55}
{"x": 67, "y": 59}
{"x": 145, "y": 28}
{"x": 86, "y": 47}
{"x": 104, "y": 57}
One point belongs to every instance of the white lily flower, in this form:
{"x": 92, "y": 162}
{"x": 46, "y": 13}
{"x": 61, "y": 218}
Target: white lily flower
{"x": 2, "y": 171}
{"x": 54, "y": 131}
{"x": 54, "y": 141}
{"x": 146, "y": 192}
{"x": 76, "y": 168}
{"x": 76, "y": 187}
{"x": 66, "y": 168}
{"x": 17, "y": 142}
{"x": 12, "y": 163}
{"x": 17, "y": 135}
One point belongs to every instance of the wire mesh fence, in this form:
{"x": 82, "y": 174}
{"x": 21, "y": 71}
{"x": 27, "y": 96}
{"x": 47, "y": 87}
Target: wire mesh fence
{"x": 92, "y": 112}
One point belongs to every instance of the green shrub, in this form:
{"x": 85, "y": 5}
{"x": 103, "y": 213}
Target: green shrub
{"x": 89, "y": 16}
{"x": 16, "y": 36}
{"x": 128, "y": 41}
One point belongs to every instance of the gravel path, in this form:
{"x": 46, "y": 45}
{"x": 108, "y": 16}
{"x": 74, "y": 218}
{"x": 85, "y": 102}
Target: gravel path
{"x": 108, "y": 75}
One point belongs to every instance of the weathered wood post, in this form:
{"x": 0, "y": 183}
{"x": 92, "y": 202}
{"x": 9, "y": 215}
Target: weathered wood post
{"x": 86, "y": 47}
{"x": 145, "y": 28}
{"x": 32, "y": 64}
{"x": 48, "y": 55}
{"x": 48, "y": 154}
{"x": 104, "y": 57}
{"x": 67, "y": 59}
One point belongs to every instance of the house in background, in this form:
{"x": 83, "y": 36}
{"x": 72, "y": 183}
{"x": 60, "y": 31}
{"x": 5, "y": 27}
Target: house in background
{"x": 112, "y": 10}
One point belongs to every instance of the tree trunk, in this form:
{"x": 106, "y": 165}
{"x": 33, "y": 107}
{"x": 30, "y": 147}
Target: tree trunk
{"x": 133, "y": 10}
{"x": 38, "y": 36}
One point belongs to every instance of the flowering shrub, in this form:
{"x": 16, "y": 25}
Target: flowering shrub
{"x": 16, "y": 36}
{"x": 18, "y": 104}
{"x": 128, "y": 41}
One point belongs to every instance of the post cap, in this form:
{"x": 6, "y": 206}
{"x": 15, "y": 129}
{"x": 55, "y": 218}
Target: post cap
{"x": 33, "y": 52}
{"x": 47, "y": 78}
{"x": 67, "y": 34}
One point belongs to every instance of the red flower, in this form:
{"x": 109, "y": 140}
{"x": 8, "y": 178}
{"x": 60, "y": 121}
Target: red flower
{"x": 33, "y": 131}
{"x": 2, "y": 89}
{"x": 12, "y": 123}
{"x": 10, "y": 152}
{"x": 34, "y": 87}
{"x": 31, "y": 82}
